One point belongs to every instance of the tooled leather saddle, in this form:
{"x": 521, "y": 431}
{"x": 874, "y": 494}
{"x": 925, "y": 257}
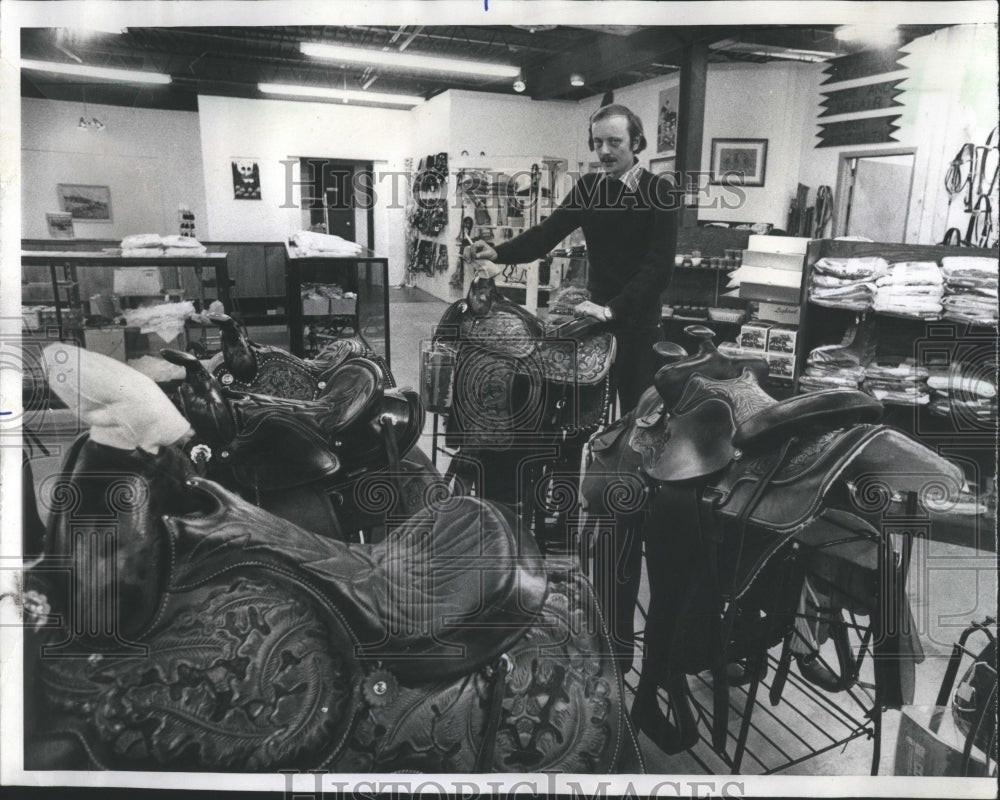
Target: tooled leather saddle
{"x": 266, "y": 647}
{"x": 246, "y": 366}
{"x": 268, "y": 445}
{"x": 516, "y": 376}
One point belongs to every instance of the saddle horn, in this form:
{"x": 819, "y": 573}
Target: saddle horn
{"x": 202, "y": 399}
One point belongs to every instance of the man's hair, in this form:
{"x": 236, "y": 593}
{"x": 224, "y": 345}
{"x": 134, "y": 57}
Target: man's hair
{"x": 618, "y": 110}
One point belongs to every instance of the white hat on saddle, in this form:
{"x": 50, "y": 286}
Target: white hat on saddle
{"x": 123, "y": 407}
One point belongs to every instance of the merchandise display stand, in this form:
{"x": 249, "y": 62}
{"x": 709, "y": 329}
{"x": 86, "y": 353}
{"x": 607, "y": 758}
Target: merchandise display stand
{"x": 366, "y": 275}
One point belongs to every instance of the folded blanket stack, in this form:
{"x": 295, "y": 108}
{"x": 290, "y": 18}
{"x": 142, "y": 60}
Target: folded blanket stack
{"x": 311, "y": 243}
{"x": 911, "y": 289}
{"x": 963, "y": 394}
{"x": 970, "y": 289}
{"x": 846, "y": 282}
{"x": 832, "y": 367}
{"x": 897, "y": 382}
{"x": 152, "y": 245}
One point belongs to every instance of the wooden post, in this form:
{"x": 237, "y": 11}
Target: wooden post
{"x": 691, "y": 113}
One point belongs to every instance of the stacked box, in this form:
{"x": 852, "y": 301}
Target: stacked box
{"x": 782, "y": 340}
{"x": 753, "y": 336}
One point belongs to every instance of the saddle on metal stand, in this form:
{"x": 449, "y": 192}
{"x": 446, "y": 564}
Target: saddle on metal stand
{"x": 739, "y": 475}
{"x": 266, "y": 447}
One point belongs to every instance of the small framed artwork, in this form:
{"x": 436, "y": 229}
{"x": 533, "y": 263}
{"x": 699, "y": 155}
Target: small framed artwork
{"x": 739, "y": 162}
{"x": 246, "y": 179}
{"x": 85, "y": 202}
{"x": 666, "y": 121}
{"x": 60, "y": 224}
{"x": 663, "y": 166}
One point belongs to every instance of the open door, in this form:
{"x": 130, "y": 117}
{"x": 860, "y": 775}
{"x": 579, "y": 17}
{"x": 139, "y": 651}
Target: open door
{"x": 874, "y": 193}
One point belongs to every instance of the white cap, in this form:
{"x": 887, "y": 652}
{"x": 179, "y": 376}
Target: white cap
{"x": 123, "y": 407}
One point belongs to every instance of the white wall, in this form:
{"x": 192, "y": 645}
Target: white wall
{"x": 150, "y": 159}
{"x": 949, "y": 98}
{"x": 273, "y": 131}
{"x": 743, "y": 101}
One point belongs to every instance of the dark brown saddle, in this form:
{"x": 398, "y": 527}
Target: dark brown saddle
{"x": 242, "y": 627}
{"x": 273, "y": 443}
{"x": 246, "y": 366}
{"x": 516, "y": 375}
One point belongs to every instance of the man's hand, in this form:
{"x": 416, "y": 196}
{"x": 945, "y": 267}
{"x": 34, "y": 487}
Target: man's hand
{"x": 479, "y": 251}
{"x": 589, "y": 309}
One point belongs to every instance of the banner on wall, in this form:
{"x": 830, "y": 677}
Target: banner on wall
{"x": 872, "y": 130}
{"x": 870, "y": 97}
{"x": 863, "y": 65}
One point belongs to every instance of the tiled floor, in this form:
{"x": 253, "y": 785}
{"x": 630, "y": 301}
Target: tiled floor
{"x": 949, "y": 586}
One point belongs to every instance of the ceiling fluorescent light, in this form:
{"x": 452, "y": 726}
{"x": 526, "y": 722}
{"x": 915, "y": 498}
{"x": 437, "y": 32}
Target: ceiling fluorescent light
{"x": 392, "y": 58}
{"x": 346, "y": 95}
{"x": 871, "y": 35}
{"x": 101, "y": 73}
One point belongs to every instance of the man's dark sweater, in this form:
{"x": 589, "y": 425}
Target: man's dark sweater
{"x": 630, "y": 242}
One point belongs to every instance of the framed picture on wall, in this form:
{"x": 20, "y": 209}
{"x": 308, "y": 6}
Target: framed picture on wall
{"x": 663, "y": 166}
{"x": 85, "y": 202}
{"x": 666, "y": 121}
{"x": 60, "y": 225}
{"x": 739, "y": 162}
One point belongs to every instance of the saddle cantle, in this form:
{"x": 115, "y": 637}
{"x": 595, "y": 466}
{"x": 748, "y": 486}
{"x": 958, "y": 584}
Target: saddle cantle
{"x": 515, "y": 375}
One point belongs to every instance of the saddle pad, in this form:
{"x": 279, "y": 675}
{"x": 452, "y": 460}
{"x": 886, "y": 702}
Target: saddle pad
{"x": 875, "y": 459}
{"x": 743, "y": 394}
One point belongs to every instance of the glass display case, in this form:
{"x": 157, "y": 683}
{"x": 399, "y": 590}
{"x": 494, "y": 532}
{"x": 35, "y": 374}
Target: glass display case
{"x": 331, "y": 297}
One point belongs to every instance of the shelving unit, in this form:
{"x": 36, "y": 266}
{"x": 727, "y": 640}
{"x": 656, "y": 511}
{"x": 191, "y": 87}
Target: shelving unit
{"x": 969, "y": 443}
{"x": 367, "y": 275}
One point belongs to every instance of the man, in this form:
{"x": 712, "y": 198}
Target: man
{"x": 627, "y": 217}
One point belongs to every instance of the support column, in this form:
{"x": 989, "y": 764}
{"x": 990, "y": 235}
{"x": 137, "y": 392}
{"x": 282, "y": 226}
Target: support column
{"x": 691, "y": 112}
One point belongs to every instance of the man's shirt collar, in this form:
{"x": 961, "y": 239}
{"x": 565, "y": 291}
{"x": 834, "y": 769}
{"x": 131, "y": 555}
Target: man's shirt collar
{"x": 630, "y": 178}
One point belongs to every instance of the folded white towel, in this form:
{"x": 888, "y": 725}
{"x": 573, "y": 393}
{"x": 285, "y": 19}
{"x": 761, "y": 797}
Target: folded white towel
{"x": 142, "y": 240}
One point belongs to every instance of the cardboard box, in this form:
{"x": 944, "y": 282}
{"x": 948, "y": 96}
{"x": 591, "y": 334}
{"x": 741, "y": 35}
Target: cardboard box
{"x": 782, "y": 313}
{"x": 790, "y": 261}
{"x": 782, "y": 367}
{"x": 921, "y": 751}
{"x": 753, "y": 336}
{"x": 782, "y": 340}
{"x": 316, "y": 306}
{"x": 138, "y": 281}
{"x": 779, "y": 244}
{"x": 343, "y": 305}
{"x": 107, "y": 341}
{"x": 769, "y": 293}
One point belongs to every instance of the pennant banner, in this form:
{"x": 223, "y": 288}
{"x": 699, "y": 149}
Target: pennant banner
{"x": 858, "y": 131}
{"x": 862, "y": 65}
{"x": 862, "y": 98}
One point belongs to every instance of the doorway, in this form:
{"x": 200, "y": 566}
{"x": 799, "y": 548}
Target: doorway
{"x": 874, "y": 194}
{"x": 333, "y": 204}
